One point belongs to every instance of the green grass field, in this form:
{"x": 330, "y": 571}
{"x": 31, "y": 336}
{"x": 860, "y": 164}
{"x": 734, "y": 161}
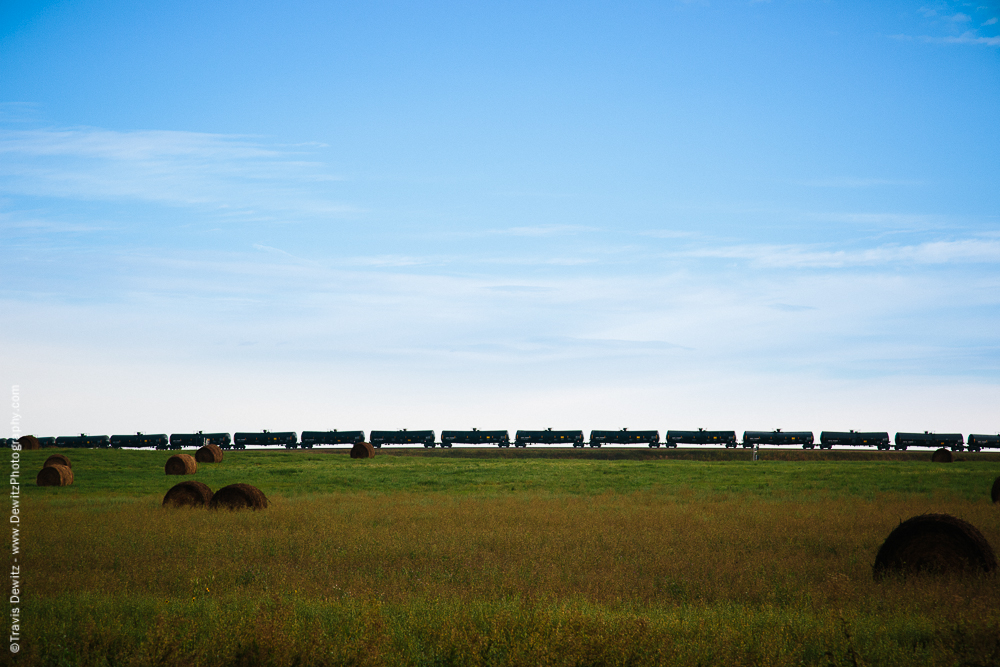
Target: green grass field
{"x": 461, "y": 557}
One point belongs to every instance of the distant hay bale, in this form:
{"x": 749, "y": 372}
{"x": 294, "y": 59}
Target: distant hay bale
{"x": 181, "y": 464}
{"x": 188, "y": 494}
{"x": 58, "y": 460}
{"x": 54, "y": 475}
{"x": 29, "y": 442}
{"x": 942, "y": 456}
{"x": 995, "y": 491}
{"x": 237, "y": 497}
{"x": 209, "y": 454}
{"x": 935, "y": 543}
{"x": 362, "y": 450}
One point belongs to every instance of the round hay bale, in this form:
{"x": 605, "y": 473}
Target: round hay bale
{"x": 237, "y": 497}
{"x": 54, "y": 475}
{"x": 29, "y": 442}
{"x": 209, "y": 454}
{"x": 995, "y": 491}
{"x": 188, "y": 494}
{"x": 181, "y": 464}
{"x": 942, "y": 456}
{"x": 362, "y": 450}
{"x": 58, "y": 460}
{"x": 935, "y": 543}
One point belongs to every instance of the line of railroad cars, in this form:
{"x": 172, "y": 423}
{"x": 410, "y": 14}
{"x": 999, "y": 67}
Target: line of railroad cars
{"x": 523, "y": 438}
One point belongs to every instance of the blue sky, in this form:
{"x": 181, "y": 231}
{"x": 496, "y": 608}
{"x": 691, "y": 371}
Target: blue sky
{"x": 661, "y": 215}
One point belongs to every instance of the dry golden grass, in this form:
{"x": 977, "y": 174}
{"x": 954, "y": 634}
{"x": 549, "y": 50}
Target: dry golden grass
{"x": 609, "y": 550}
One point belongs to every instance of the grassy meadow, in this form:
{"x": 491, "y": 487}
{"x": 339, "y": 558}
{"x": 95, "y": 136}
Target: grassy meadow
{"x": 617, "y": 557}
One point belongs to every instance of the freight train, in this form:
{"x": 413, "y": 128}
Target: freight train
{"x": 290, "y": 440}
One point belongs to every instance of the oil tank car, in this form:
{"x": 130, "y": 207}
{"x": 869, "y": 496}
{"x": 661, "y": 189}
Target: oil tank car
{"x": 199, "y": 439}
{"x": 475, "y": 437}
{"x": 84, "y": 441}
{"x": 778, "y": 437}
{"x": 879, "y": 439}
{"x": 139, "y": 440}
{"x": 266, "y": 439}
{"x": 334, "y": 437}
{"x": 548, "y": 437}
{"x": 701, "y": 437}
{"x": 404, "y": 437}
{"x": 954, "y": 441}
{"x": 978, "y": 441}
{"x": 623, "y": 437}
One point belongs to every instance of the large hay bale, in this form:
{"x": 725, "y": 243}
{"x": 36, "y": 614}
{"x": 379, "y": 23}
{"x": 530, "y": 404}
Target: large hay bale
{"x": 995, "y": 491}
{"x": 58, "y": 460}
{"x": 54, "y": 475}
{"x": 181, "y": 464}
{"x": 362, "y": 450}
{"x": 209, "y": 454}
{"x": 29, "y": 442}
{"x": 936, "y": 543}
{"x": 237, "y": 497}
{"x": 942, "y": 456}
{"x": 188, "y": 494}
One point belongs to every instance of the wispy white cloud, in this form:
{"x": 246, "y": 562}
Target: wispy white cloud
{"x": 43, "y": 224}
{"x": 948, "y": 18}
{"x": 278, "y": 251}
{"x": 906, "y": 220}
{"x": 210, "y": 171}
{"x": 387, "y": 261}
{"x": 19, "y": 112}
{"x": 791, "y": 308}
{"x": 517, "y": 289}
{"x": 969, "y": 37}
{"x": 668, "y": 234}
{"x": 802, "y": 256}
{"x": 541, "y": 230}
{"x": 850, "y": 182}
